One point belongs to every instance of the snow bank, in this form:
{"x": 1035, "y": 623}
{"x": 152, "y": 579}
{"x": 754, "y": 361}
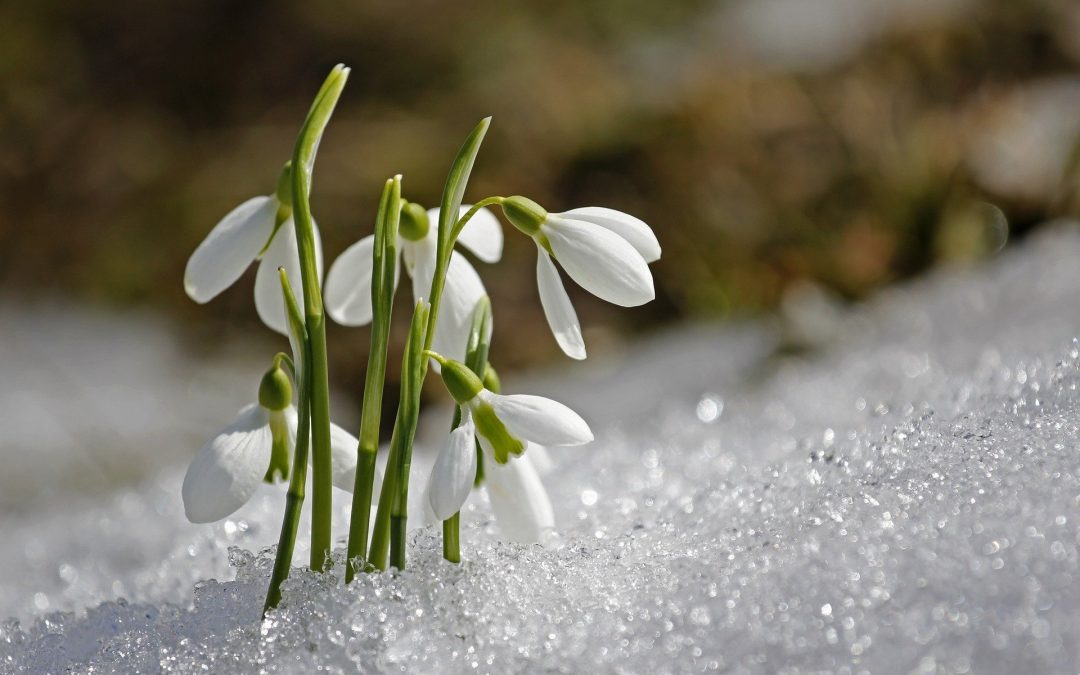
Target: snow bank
{"x": 904, "y": 500}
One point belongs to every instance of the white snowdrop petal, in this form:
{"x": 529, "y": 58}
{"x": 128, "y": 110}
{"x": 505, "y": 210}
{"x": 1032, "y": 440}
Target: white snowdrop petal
{"x": 225, "y": 473}
{"x": 540, "y": 458}
{"x": 463, "y": 290}
{"x": 229, "y": 248}
{"x": 419, "y": 259}
{"x": 293, "y": 420}
{"x": 634, "y": 230}
{"x": 454, "y": 471}
{"x": 429, "y": 516}
{"x": 343, "y": 447}
{"x": 283, "y": 252}
{"x": 600, "y": 261}
{"x": 558, "y": 309}
{"x": 518, "y": 499}
{"x": 539, "y": 419}
{"x": 482, "y": 235}
{"x": 348, "y": 284}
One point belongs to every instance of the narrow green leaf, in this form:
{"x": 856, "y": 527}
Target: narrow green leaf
{"x": 458, "y": 179}
{"x": 307, "y": 145}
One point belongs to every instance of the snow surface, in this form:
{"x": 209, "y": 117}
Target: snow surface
{"x": 903, "y": 498}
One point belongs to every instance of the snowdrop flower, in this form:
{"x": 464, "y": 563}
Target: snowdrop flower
{"x": 518, "y": 498}
{"x": 348, "y": 284}
{"x": 256, "y": 447}
{"x": 519, "y": 501}
{"x": 606, "y": 252}
{"x": 259, "y": 229}
{"x": 503, "y": 425}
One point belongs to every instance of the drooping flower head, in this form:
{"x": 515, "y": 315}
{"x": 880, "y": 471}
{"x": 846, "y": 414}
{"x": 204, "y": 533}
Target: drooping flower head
{"x": 259, "y": 229}
{"x": 256, "y": 447}
{"x": 348, "y": 283}
{"x": 605, "y": 251}
{"x": 504, "y": 425}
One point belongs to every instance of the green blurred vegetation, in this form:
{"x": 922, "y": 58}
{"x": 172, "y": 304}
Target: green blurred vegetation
{"x": 851, "y": 144}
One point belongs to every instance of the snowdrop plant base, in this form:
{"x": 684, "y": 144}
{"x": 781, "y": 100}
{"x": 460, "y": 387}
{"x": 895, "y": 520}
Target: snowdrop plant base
{"x": 603, "y": 250}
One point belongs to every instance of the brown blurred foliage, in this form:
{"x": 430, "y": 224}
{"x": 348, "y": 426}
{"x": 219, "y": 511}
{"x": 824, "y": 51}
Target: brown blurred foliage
{"x": 848, "y": 142}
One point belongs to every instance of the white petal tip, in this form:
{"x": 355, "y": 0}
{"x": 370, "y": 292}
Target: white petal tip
{"x": 573, "y": 352}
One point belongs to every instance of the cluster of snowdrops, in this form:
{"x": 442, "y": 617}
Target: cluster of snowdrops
{"x": 497, "y": 440}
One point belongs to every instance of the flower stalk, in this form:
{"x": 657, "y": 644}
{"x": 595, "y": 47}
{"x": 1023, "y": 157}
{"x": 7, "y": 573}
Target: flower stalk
{"x": 393, "y": 502}
{"x": 391, "y": 520}
{"x": 303, "y": 160}
{"x": 382, "y": 299}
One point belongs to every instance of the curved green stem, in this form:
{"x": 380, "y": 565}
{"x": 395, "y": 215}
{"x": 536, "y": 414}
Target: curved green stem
{"x": 460, "y": 224}
{"x": 283, "y": 358}
{"x": 302, "y": 165}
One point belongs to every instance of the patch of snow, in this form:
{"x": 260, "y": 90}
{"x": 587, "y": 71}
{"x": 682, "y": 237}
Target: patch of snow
{"x": 904, "y": 500}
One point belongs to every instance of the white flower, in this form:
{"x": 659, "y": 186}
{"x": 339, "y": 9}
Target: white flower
{"x": 348, "y": 283}
{"x": 241, "y": 237}
{"x": 225, "y": 473}
{"x": 504, "y": 425}
{"x": 605, "y": 251}
{"x": 519, "y": 501}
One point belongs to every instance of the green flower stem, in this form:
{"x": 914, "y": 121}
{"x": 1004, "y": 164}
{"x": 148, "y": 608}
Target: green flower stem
{"x": 382, "y": 300}
{"x": 294, "y": 499}
{"x": 476, "y": 357}
{"x": 380, "y": 535}
{"x": 451, "y": 538}
{"x": 391, "y": 516}
{"x": 317, "y": 373}
{"x": 415, "y": 363}
{"x": 394, "y": 497}
{"x": 460, "y": 225}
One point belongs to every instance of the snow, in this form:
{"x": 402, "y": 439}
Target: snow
{"x": 901, "y": 497}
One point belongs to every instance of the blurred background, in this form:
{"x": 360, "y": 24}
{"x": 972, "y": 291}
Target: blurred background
{"x": 779, "y": 148}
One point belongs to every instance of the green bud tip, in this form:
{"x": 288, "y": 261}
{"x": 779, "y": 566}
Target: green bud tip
{"x": 414, "y": 223}
{"x": 524, "y": 214}
{"x": 462, "y": 383}
{"x": 284, "y": 185}
{"x": 275, "y": 390}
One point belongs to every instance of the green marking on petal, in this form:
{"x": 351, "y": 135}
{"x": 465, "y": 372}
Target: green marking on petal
{"x": 491, "y": 427}
{"x": 279, "y": 449}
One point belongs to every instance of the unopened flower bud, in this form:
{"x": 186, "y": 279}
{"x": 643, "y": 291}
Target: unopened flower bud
{"x": 275, "y": 390}
{"x": 525, "y": 214}
{"x": 414, "y": 223}
{"x": 462, "y": 383}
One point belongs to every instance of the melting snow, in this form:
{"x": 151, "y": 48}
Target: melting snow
{"x": 902, "y": 499}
